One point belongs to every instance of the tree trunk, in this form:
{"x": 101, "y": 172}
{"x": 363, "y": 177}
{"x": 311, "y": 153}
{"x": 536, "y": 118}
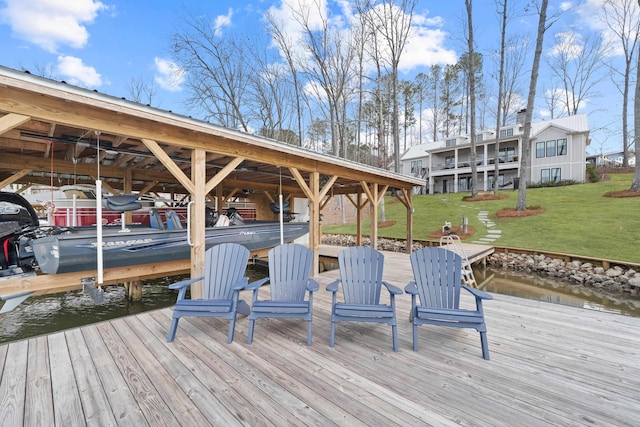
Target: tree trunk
{"x": 496, "y": 173}
{"x": 526, "y": 137}
{"x": 635, "y": 185}
{"x": 472, "y": 100}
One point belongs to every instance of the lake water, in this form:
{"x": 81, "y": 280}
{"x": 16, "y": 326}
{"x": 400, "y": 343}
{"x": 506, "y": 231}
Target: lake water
{"x": 45, "y": 314}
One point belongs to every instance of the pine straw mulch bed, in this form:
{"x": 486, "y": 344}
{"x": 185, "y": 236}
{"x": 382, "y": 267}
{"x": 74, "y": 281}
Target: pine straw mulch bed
{"x": 622, "y": 193}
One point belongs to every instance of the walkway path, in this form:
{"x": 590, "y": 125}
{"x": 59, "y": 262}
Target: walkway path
{"x": 492, "y": 233}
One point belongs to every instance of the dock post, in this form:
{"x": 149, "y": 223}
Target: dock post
{"x": 134, "y": 290}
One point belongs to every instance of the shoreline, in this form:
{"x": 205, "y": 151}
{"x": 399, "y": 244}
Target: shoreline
{"x": 616, "y": 279}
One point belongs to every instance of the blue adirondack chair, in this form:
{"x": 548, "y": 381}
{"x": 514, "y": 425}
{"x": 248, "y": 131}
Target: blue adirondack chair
{"x": 225, "y": 265}
{"x": 361, "y": 278}
{"x": 437, "y": 282}
{"x": 289, "y": 280}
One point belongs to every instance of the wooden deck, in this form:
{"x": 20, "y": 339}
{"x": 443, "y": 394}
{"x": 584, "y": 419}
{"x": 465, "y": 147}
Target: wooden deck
{"x": 550, "y": 365}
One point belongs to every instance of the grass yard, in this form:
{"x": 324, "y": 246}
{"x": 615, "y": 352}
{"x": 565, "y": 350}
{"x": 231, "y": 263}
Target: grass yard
{"x": 577, "y": 219}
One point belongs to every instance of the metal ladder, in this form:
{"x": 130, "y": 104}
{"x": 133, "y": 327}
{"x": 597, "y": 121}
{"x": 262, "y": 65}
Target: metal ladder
{"x": 453, "y": 243}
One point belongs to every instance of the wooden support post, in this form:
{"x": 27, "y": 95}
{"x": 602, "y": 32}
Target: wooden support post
{"x": 134, "y": 290}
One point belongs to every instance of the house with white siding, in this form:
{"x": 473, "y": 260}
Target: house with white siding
{"x": 558, "y": 152}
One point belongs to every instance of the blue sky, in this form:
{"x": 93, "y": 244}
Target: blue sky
{"x": 105, "y": 44}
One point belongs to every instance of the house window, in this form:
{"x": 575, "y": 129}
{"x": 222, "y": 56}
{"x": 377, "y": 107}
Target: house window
{"x": 562, "y": 147}
{"x": 544, "y": 177}
{"x": 551, "y": 148}
{"x": 416, "y": 166}
{"x": 506, "y": 132}
{"x": 553, "y": 174}
{"x": 540, "y": 149}
{"x": 450, "y": 142}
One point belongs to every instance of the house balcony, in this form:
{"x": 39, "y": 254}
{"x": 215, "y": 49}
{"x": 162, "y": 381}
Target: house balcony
{"x": 465, "y": 165}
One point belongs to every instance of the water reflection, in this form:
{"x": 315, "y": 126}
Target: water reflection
{"x": 543, "y": 288}
{"x": 45, "y": 314}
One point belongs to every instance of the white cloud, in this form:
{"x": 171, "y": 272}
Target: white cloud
{"x": 76, "y": 73}
{"x": 426, "y": 48}
{"x": 569, "y": 45}
{"x": 565, "y": 5}
{"x": 168, "y": 74}
{"x": 221, "y": 22}
{"x": 50, "y": 24}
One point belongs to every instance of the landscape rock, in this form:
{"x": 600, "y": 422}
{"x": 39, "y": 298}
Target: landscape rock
{"x": 617, "y": 279}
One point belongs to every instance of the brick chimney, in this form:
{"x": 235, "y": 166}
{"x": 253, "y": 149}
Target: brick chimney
{"x": 520, "y": 116}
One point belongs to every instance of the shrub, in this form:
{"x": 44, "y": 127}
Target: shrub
{"x": 560, "y": 183}
{"x": 592, "y": 173}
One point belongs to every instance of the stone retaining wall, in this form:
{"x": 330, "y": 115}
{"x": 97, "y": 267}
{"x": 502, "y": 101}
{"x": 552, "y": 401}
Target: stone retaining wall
{"x": 615, "y": 279}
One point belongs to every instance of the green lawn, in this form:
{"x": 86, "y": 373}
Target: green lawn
{"x": 578, "y": 219}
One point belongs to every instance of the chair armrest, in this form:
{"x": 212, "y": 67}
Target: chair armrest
{"x": 333, "y": 286}
{"x": 411, "y": 288}
{"x": 478, "y": 293}
{"x": 392, "y": 289}
{"x": 240, "y": 284}
{"x": 312, "y": 285}
{"x": 184, "y": 283}
{"x": 255, "y": 285}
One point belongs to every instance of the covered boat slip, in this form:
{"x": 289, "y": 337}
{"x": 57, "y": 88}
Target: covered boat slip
{"x": 550, "y": 365}
{"x": 54, "y": 132}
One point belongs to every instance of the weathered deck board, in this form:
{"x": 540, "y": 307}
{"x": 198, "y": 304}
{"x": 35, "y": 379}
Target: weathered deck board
{"x": 39, "y": 395}
{"x": 550, "y": 365}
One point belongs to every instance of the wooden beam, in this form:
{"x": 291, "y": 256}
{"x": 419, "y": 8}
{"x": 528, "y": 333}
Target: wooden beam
{"x": 223, "y": 173}
{"x": 16, "y": 177}
{"x": 10, "y": 121}
{"x": 198, "y": 196}
{"x": 148, "y": 187}
{"x": 302, "y": 183}
{"x": 328, "y": 185}
{"x": 171, "y": 166}
{"x": 314, "y": 219}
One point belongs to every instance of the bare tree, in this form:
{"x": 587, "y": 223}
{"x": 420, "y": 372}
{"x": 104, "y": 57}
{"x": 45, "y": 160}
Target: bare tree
{"x": 48, "y": 71}
{"x": 332, "y": 53}
{"x": 553, "y": 98}
{"x": 576, "y": 61}
{"x": 516, "y": 49}
{"x": 543, "y": 25}
{"x": 217, "y": 71}
{"x": 288, "y": 52}
{"x": 503, "y": 34}
{"x": 472, "y": 96}
{"x": 272, "y": 99}
{"x": 622, "y": 17}
{"x": 141, "y": 91}
{"x": 635, "y": 184}
{"x": 393, "y": 22}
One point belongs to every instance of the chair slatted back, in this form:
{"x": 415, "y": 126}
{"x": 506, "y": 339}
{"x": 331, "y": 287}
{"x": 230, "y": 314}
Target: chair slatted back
{"x": 438, "y": 274}
{"x": 289, "y": 271}
{"x": 361, "y": 274}
{"x": 225, "y": 264}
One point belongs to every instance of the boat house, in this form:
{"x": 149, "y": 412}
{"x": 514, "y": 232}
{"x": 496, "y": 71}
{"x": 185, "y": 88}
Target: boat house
{"x": 53, "y": 133}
